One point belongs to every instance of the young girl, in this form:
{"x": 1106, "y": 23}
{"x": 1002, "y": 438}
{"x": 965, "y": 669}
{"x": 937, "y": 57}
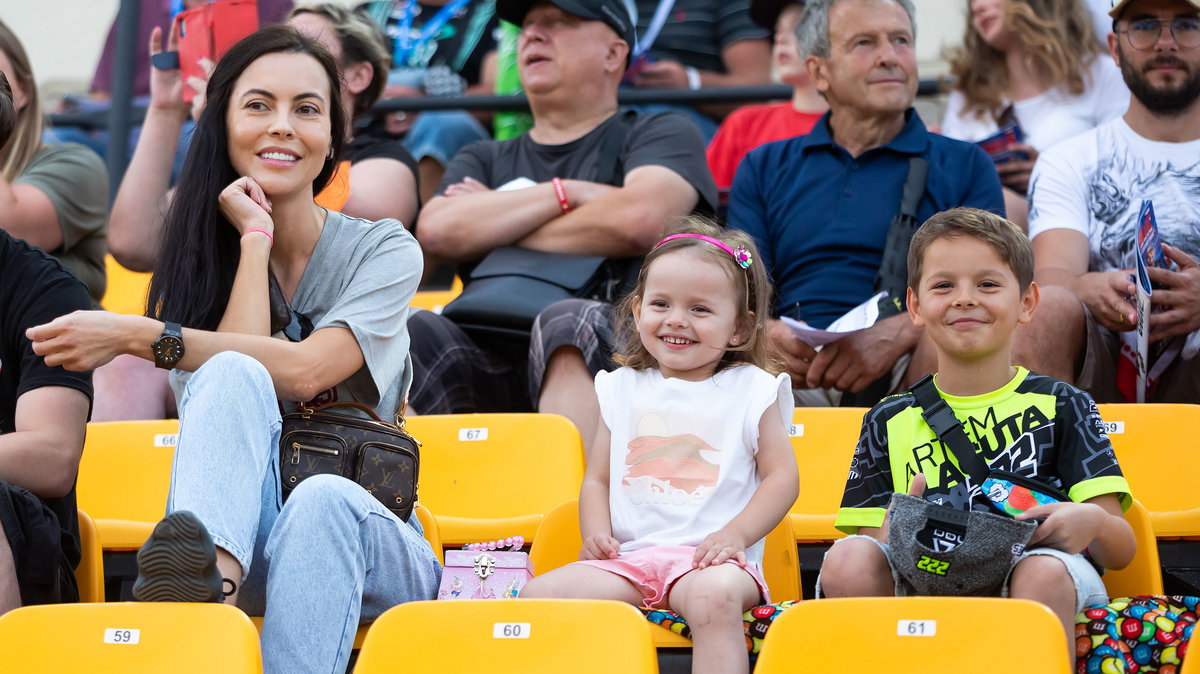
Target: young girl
{"x": 692, "y": 465}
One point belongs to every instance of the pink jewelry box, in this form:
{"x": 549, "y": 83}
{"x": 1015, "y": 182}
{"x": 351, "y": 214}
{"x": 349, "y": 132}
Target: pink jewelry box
{"x": 484, "y": 574}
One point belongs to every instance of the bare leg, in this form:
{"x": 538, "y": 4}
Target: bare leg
{"x": 230, "y": 568}
{"x": 130, "y": 388}
{"x": 1053, "y": 343}
{"x": 567, "y": 389}
{"x": 579, "y": 581}
{"x": 1045, "y": 579}
{"x": 712, "y": 601}
{"x": 855, "y": 567}
{"x": 10, "y": 592}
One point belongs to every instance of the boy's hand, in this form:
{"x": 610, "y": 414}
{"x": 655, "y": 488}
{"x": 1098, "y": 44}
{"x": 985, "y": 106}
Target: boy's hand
{"x": 600, "y": 546}
{"x": 1068, "y": 526}
{"x": 917, "y": 488}
{"x": 718, "y": 548}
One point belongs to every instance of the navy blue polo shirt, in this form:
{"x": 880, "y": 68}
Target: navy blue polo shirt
{"x": 820, "y": 217}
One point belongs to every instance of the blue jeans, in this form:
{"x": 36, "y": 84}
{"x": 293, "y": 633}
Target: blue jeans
{"x": 440, "y": 134}
{"x": 315, "y": 568}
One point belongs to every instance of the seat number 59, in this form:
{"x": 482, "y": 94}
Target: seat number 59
{"x": 122, "y": 636}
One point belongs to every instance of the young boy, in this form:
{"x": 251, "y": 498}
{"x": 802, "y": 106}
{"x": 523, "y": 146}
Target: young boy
{"x": 970, "y": 278}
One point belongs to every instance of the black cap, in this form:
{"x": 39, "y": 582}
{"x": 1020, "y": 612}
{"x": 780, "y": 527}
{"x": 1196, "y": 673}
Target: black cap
{"x": 612, "y": 12}
{"x": 766, "y": 12}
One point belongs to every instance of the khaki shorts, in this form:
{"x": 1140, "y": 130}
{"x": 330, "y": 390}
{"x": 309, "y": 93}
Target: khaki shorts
{"x": 1098, "y": 374}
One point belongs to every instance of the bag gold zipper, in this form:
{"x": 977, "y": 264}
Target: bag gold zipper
{"x": 296, "y": 447}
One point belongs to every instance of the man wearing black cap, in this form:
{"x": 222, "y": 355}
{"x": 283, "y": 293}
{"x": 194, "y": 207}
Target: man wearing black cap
{"x": 584, "y": 180}
{"x": 1085, "y": 198}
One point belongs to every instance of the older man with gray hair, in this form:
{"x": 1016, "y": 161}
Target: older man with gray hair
{"x": 821, "y": 206}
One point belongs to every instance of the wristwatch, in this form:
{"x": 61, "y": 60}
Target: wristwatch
{"x": 168, "y": 348}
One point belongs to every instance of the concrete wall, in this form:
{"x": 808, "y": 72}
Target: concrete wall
{"x": 64, "y": 37}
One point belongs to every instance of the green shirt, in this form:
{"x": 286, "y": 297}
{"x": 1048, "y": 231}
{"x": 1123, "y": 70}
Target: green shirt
{"x": 1035, "y": 425}
{"x": 76, "y": 182}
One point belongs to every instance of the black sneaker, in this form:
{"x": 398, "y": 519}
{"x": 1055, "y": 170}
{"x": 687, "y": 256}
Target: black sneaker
{"x": 178, "y": 563}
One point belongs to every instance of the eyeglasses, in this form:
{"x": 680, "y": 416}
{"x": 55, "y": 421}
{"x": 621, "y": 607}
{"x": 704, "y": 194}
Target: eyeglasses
{"x": 1144, "y": 33}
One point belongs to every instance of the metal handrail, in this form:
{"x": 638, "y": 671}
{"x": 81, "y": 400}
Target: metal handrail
{"x": 100, "y": 119}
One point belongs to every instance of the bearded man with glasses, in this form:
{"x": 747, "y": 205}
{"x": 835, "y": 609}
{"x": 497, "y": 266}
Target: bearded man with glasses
{"x": 1085, "y": 197}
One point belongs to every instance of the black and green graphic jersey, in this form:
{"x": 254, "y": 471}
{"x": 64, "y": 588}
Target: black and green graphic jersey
{"x": 1035, "y": 425}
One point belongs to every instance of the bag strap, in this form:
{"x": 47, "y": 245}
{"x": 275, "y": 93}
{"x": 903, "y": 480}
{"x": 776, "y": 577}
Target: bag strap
{"x": 937, "y": 414}
{"x": 399, "y": 423}
{"x": 893, "y": 268}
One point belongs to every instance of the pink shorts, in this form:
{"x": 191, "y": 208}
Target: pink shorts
{"x": 653, "y": 571}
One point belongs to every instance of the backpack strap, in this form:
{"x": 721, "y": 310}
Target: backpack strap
{"x": 893, "y": 268}
{"x": 611, "y": 157}
{"x": 937, "y": 414}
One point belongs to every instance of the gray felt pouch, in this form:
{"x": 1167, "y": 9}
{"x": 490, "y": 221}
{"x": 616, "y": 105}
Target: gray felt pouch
{"x": 940, "y": 551}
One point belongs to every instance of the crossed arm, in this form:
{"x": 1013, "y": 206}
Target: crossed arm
{"x": 469, "y": 219}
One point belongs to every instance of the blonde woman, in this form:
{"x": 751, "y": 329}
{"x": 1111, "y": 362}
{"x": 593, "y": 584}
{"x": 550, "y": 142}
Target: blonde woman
{"x": 52, "y": 196}
{"x": 1036, "y": 63}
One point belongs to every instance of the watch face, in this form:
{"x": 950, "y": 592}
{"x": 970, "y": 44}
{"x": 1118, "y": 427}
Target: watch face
{"x": 168, "y": 349}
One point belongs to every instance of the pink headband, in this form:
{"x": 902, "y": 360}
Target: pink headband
{"x": 740, "y": 256}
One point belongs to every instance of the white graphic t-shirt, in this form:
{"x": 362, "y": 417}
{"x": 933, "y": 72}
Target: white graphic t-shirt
{"x": 1095, "y": 183}
{"x": 682, "y": 458}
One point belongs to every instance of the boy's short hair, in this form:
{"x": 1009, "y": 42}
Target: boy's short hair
{"x": 1009, "y": 242}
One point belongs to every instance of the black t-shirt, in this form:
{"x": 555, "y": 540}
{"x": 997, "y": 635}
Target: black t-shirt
{"x": 666, "y": 139}
{"x": 35, "y": 289}
{"x": 366, "y": 145}
{"x": 697, "y": 31}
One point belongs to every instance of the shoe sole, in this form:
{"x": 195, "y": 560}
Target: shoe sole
{"x": 178, "y": 563}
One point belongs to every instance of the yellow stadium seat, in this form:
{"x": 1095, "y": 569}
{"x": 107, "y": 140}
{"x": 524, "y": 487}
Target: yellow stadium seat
{"x": 129, "y": 637}
{"x": 916, "y": 635}
{"x": 434, "y": 300}
{"x": 89, "y": 575}
{"x": 126, "y": 291}
{"x": 823, "y": 439}
{"x": 1157, "y": 455}
{"x": 558, "y": 542}
{"x": 1192, "y": 668}
{"x": 490, "y": 476}
{"x": 124, "y": 476}
{"x": 1143, "y": 575}
{"x": 528, "y": 636}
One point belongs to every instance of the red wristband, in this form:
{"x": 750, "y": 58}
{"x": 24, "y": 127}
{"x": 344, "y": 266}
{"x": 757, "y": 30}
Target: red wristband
{"x": 263, "y": 232}
{"x": 562, "y": 194}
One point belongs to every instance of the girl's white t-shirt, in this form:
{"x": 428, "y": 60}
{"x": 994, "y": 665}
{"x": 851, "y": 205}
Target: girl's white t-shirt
{"x": 1051, "y": 116}
{"x": 682, "y": 457}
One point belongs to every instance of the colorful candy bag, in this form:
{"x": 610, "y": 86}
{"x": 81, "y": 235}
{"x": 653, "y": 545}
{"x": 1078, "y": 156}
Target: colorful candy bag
{"x": 755, "y": 623}
{"x": 1135, "y": 635}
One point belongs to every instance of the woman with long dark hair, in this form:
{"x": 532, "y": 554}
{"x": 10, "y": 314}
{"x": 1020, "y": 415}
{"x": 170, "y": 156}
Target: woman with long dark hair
{"x": 247, "y": 254}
